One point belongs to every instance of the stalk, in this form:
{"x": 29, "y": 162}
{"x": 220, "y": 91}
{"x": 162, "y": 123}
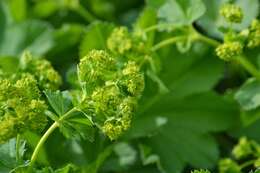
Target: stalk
{"x": 46, "y": 136}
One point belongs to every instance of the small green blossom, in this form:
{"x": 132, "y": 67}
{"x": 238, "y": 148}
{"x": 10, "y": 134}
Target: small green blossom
{"x": 106, "y": 100}
{"x": 242, "y": 149}
{"x": 21, "y": 107}
{"x": 42, "y": 70}
{"x": 119, "y": 41}
{"x": 200, "y": 171}
{"x": 229, "y": 50}
{"x": 232, "y": 13}
{"x": 228, "y": 166}
{"x": 132, "y": 80}
{"x": 96, "y": 67}
{"x": 254, "y": 34}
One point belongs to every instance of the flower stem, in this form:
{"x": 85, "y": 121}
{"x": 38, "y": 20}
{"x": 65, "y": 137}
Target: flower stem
{"x": 248, "y": 66}
{"x": 246, "y": 164}
{"x": 17, "y": 147}
{"x": 167, "y": 42}
{"x": 47, "y": 134}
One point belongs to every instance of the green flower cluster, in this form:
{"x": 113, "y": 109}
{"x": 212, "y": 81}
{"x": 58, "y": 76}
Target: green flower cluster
{"x": 21, "y": 107}
{"x": 121, "y": 41}
{"x": 235, "y": 43}
{"x": 254, "y": 34}
{"x": 200, "y": 171}
{"x": 110, "y": 90}
{"x": 227, "y": 51}
{"x": 232, "y": 13}
{"x": 246, "y": 150}
{"x": 42, "y": 70}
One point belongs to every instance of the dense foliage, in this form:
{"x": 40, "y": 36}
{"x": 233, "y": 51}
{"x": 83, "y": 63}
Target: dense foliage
{"x": 158, "y": 86}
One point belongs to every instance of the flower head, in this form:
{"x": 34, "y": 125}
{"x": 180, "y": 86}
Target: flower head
{"x": 119, "y": 41}
{"x": 132, "y": 81}
{"x": 21, "y": 107}
{"x": 254, "y": 34}
{"x": 228, "y": 50}
{"x": 228, "y": 166}
{"x": 232, "y": 13}
{"x": 242, "y": 149}
{"x": 42, "y": 70}
{"x": 96, "y": 67}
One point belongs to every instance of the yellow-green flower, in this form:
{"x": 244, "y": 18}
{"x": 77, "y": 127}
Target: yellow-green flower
{"x": 232, "y": 13}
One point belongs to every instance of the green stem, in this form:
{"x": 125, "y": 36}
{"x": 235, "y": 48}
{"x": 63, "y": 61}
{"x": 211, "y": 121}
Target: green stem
{"x": 246, "y": 164}
{"x": 85, "y": 14}
{"x": 167, "y": 42}
{"x": 17, "y": 147}
{"x": 248, "y": 66}
{"x": 200, "y": 37}
{"x": 47, "y": 134}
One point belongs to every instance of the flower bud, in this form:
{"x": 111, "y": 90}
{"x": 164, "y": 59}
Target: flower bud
{"x": 242, "y": 149}
{"x": 254, "y": 34}
{"x": 113, "y": 128}
{"x": 132, "y": 81}
{"x": 228, "y": 166}
{"x": 232, "y": 13}
{"x": 42, "y": 70}
{"x": 119, "y": 40}
{"x": 96, "y": 67}
{"x": 227, "y": 51}
{"x": 22, "y": 108}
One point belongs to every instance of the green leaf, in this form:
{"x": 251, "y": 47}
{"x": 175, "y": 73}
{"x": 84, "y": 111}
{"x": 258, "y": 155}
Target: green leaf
{"x": 248, "y": 96}
{"x": 59, "y": 101}
{"x": 9, "y": 64}
{"x": 8, "y": 155}
{"x": 190, "y": 121}
{"x": 96, "y": 37}
{"x": 67, "y": 169}
{"x": 179, "y": 12}
{"x": 126, "y": 153}
{"x": 34, "y": 36}
{"x": 18, "y": 9}
{"x": 102, "y": 156}
{"x": 78, "y": 126}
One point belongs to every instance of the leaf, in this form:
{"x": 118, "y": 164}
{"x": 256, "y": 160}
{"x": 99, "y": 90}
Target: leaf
{"x": 18, "y": 9}
{"x": 67, "y": 169}
{"x": 78, "y": 126}
{"x": 179, "y": 12}
{"x": 9, "y": 64}
{"x": 248, "y": 96}
{"x": 59, "y": 101}
{"x": 189, "y": 122}
{"x": 171, "y": 123}
{"x": 34, "y": 36}
{"x": 96, "y": 37}
{"x": 102, "y": 156}
{"x": 126, "y": 153}
{"x": 8, "y": 155}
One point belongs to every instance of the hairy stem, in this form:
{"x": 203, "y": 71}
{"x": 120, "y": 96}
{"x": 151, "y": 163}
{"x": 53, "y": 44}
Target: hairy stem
{"x": 167, "y": 42}
{"x": 248, "y": 66}
{"x": 17, "y": 147}
{"x": 47, "y": 134}
{"x": 246, "y": 164}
